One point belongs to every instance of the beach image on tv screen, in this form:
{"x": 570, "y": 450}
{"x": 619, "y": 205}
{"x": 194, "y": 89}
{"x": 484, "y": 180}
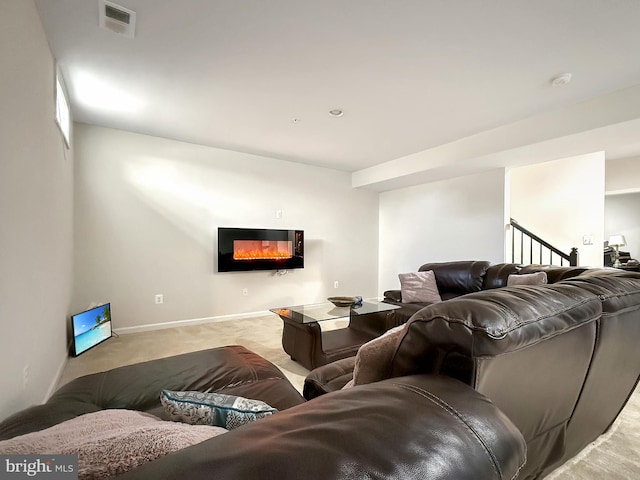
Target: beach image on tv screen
{"x": 91, "y": 327}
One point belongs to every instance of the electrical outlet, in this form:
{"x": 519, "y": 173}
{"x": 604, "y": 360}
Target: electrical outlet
{"x": 335, "y": 284}
{"x": 278, "y": 214}
{"x": 25, "y": 376}
{"x": 587, "y": 239}
{"x": 245, "y": 292}
{"x": 159, "y": 299}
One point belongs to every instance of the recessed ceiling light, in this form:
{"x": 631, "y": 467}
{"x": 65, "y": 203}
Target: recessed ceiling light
{"x": 560, "y": 80}
{"x": 295, "y": 120}
{"x": 336, "y": 112}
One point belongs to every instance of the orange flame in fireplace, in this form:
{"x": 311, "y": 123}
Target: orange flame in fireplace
{"x": 261, "y": 250}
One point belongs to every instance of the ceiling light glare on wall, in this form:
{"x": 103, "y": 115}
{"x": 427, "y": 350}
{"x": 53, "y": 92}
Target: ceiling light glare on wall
{"x": 96, "y": 93}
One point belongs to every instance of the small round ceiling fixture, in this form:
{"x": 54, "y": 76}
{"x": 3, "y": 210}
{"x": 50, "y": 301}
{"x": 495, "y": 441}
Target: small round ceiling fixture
{"x": 336, "y": 112}
{"x": 560, "y": 80}
{"x": 295, "y": 120}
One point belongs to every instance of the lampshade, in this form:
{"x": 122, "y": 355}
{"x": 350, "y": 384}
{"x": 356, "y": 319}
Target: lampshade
{"x": 617, "y": 240}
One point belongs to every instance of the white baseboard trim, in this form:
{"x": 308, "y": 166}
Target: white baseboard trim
{"x": 186, "y": 323}
{"x": 53, "y": 386}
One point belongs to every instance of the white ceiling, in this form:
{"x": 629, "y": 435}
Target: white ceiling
{"x": 411, "y": 75}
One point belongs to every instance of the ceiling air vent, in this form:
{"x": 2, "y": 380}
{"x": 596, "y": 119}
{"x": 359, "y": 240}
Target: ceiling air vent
{"x": 116, "y": 18}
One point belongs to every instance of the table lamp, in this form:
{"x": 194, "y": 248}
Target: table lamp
{"x": 617, "y": 241}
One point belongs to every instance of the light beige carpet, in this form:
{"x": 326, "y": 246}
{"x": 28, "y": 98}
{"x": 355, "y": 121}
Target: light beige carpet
{"x": 262, "y": 335}
{"x": 614, "y": 456}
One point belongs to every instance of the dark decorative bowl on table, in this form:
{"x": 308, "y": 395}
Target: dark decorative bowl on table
{"x": 343, "y": 301}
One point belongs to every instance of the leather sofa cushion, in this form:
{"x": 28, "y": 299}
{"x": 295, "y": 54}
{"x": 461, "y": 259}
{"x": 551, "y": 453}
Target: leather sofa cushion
{"x": 497, "y": 275}
{"x": 458, "y": 278}
{"x": 555, "y": 273}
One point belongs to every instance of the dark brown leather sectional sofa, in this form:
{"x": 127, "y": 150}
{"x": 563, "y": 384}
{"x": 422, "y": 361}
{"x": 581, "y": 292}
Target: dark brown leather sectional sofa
{"x": 468, "y": 276}
{"x": 561, "y": 360}
{"x": 476, "y": 384}
{"x": 419, "y": 426}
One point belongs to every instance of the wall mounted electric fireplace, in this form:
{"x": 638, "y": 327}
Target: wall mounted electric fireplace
{"x": 245, "y": 249}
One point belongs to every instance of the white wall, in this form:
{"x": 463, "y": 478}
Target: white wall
{"x": 36, "y": 229}
{"x": 147, "y": 213}
{"x": 622, "y": 217}
{"x": 622, "y": 176}
{"x": 457, "y": 219}
{"x": 622, "y": 203}
{"x": 561, "y": 201}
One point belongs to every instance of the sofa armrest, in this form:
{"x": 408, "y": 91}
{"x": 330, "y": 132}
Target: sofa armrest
{"x": 393, "y": 295}
{"x": 328, "y": 378}
{"x": 420, "y": 426}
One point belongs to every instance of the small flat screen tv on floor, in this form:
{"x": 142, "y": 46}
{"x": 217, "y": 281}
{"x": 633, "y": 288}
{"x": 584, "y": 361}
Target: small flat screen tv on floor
{"x": 90, "y": 328}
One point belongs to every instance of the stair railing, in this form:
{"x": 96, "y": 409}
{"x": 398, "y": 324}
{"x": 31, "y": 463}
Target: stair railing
{"x": 544, "y": 250}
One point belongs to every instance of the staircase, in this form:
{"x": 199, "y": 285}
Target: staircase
{"x": 528, "y": 248}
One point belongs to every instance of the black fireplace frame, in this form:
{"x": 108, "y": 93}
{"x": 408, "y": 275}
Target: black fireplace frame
{"x": 226, "y": 237}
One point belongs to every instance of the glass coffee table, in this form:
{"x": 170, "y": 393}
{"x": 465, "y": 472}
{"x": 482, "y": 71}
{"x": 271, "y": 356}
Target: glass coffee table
{"x": 306, "y": 343}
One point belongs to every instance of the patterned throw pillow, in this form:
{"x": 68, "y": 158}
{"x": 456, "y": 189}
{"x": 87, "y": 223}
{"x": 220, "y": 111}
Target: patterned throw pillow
{"x": 199, "y": 408}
